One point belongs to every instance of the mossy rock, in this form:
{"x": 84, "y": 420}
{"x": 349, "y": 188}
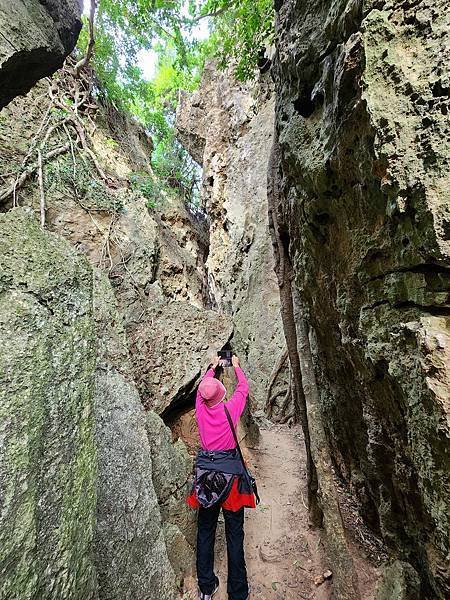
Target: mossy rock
{"x": 47, "y": 452}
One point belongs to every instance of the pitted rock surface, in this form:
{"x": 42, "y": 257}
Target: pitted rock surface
{"x": 170, "y": 356}
{"x": 47, "y": 452}
{"x": 228, "y": 128}
{"x": 362, "y": 113}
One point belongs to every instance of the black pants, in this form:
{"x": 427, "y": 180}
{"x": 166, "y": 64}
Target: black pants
{"x": 237, "y": 586}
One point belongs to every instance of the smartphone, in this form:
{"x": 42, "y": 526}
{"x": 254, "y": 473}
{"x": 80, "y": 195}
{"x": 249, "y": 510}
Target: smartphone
{"x": 225, "y": 357}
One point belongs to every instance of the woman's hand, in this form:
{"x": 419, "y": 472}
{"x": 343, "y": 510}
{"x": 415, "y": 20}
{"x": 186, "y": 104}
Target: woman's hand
{"x": 235, "y": 361}
{"x": 214, "y": 361}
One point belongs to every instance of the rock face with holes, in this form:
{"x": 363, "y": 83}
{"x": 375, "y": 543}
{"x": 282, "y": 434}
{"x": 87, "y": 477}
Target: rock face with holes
{"x": 47, "y": 450}
{"x": 36, "y": 36}
{"x": 170, "y": 355}
{"x": 227, "y": 127}
{"x": 362, "y": 113}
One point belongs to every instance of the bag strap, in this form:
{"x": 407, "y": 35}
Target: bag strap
{"x": 233, "y": 431}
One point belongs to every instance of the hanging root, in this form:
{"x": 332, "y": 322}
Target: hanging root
{"x": 41, "y": 189}
{"x": 29, "y": 171}
{"x": 71, "y": 106}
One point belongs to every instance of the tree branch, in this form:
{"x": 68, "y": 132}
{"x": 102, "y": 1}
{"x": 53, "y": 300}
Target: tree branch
{"x": 90, "y": 47}
{"x": 213, "y": 14}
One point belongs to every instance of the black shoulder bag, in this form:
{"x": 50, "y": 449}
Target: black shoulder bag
{"x": 249, "y": 475}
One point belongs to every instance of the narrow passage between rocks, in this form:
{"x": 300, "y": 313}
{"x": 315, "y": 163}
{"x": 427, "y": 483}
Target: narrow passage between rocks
{"x": 285, "y": 558}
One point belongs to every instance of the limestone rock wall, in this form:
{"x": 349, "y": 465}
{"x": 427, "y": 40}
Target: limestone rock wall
{"x": 130, "y": 550}
{"x": 153, "y": 257}
{"x": 131, "y": 554}
{"x": 362, "y": 115}
{"x": 37, "y": 35}
{"x": 47, "y": 451}
{"x": 153, "y": 334}
{"x": 227, "y": 127}
{"x": 172, "y": 485}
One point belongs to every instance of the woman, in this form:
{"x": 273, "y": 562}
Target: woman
{"x": 221, "y": 481}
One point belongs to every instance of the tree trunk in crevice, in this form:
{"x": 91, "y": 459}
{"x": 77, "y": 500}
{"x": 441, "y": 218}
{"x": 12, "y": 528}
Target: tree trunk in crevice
{"x": 283, "y": 271}
{"x": 323, "y": 502}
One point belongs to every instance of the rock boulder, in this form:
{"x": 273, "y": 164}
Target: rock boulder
{"x": 37, "y": 35}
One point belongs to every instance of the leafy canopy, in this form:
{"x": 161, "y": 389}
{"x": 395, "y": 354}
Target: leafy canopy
{"x": 241, "y": 29}
{"x": 125, "y": 29}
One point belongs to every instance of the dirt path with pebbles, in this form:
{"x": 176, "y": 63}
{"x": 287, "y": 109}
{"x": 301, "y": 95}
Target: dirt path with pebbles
{"x": 284, "y": 556}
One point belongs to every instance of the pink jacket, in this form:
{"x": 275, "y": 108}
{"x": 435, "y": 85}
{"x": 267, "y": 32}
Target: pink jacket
{"x": 213, "y": 427}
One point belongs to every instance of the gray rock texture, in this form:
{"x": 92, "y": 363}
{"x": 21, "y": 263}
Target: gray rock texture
{"x": 362, "y": 113}
{"x": 170, "y": 356}
{"x": 131, "y": 557}
{"x": 172, "y": 471}
{"x": 131, "y": 549}
{"x": 399, "y": 581}
{"x": 47, "y": 450}
{"x": 36, "y": 37}
{"x": 228, "y": 128}
{"x": 154, "y": 257}
{"x": 153, "y": 336}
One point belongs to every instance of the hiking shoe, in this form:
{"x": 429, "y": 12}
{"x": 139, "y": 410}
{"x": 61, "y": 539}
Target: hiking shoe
{"x": 202, "y": 596}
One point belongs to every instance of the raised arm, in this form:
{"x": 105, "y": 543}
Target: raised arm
{"x": 238, "y": 400}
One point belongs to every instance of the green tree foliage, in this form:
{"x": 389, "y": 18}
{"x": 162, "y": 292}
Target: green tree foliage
{"x": 124, "y": 29}
{"x": 240, "y": 32}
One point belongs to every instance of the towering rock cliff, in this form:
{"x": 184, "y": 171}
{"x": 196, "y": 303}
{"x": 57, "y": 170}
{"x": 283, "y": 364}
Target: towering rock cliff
{"x": 153, "y": 336}
{"x": 48, "y": 462}
{"x": 227, "y": 127}
{"x": 362, "y": 116}
{"x": 111, "y": 308}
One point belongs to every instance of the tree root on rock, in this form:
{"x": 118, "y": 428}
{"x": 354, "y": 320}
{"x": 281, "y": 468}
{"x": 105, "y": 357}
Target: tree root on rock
{"x": 270, "y": 399}
{"x": 30, "y": 170}
{"x": 70, "y": 104}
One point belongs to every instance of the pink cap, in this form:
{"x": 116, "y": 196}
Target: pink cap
{"x": 212, "y": 390}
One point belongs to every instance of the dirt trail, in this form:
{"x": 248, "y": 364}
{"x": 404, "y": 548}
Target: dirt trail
{"x": 283, "y": 555}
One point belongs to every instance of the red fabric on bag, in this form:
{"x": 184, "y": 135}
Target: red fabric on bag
{"x": 234, "y": 501}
